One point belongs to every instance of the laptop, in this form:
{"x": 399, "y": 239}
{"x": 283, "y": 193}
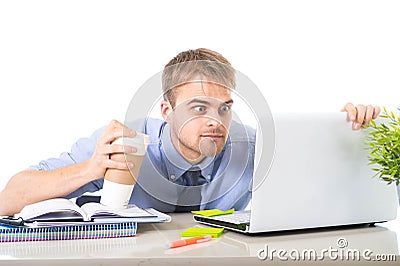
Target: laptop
{"x": 317, "y": 176}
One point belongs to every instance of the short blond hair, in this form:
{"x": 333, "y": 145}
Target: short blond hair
{"x": 200, "y": 62}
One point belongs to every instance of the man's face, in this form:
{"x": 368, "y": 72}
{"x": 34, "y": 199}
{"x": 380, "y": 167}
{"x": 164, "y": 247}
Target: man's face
{"x": 200, "y": 119}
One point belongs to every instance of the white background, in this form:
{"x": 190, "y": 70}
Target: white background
{"x": 69, "y": 67}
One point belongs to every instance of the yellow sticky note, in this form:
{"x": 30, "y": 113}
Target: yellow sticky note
{"x": 213, "y": 212}
{"x": 202, "y": 231}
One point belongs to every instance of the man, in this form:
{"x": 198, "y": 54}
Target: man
{"x": 198, "y": 156}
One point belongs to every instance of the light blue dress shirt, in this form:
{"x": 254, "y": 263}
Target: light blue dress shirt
{"x": 228, "y": 175}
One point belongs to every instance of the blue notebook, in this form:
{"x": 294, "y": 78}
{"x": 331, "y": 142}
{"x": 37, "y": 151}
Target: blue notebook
{"x": 88, "y": 230}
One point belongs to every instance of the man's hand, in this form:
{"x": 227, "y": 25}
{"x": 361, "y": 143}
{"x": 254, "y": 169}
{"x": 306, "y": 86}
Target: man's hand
{"x": 361, "y": 114}
{"x": 100, "y": 160}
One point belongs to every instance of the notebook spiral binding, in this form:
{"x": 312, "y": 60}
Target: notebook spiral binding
{"x": 67, "y": 232}
{"x": 76, "y": 248}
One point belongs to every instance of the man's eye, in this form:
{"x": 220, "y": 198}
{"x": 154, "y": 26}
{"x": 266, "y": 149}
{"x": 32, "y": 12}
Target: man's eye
{"x": 199, "y": 109}
{"x": 225, "y": 108}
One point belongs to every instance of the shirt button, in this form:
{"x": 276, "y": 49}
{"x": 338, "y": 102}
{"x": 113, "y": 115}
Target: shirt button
{"x": 208, "y": 177}
{"x": 173, "y": 177}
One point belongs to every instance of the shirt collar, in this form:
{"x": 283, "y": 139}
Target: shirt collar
{"x": 176, "y": 164}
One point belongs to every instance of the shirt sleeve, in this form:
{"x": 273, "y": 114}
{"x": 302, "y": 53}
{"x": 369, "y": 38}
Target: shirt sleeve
{"x": 81, "y": 151}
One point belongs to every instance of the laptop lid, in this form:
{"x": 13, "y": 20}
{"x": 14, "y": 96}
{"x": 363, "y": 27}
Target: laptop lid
{"x": 319, "y": 176}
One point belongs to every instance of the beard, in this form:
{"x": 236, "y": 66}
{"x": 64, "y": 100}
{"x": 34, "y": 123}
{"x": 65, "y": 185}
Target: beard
{"x": 207, "y": 144}
{"x": 208, "y": 147}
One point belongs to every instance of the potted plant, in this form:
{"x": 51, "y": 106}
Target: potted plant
{"x": 383, "y": 142}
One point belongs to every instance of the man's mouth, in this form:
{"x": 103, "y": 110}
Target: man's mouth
{"x": 212, "y": 136}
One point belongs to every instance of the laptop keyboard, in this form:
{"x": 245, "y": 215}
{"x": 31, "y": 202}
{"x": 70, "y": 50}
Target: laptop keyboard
{"x": 242, "y": 217}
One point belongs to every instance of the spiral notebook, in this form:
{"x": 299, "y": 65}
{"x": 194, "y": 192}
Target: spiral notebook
{"x": 87, "y": 230}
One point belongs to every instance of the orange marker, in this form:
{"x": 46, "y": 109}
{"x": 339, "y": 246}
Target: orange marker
{"x": 189, "y": 241}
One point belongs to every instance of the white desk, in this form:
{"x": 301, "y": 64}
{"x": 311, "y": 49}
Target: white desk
{"x": 148, "y": 247}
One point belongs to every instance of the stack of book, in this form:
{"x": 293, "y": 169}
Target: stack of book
{"x": 61, "y": 219}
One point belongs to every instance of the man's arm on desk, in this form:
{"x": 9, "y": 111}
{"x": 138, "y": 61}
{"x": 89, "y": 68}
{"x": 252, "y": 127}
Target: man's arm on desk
{"x": 31, "y": 186}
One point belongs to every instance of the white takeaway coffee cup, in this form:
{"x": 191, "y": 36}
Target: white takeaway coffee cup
{"x": 118, "y": 184}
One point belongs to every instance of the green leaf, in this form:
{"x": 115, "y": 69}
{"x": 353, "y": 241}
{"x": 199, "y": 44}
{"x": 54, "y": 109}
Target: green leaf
{"x": 383, "y": 143}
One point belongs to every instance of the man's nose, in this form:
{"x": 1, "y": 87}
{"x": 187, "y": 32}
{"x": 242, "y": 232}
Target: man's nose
{"x": 213, "y": 118}
{"x": 213, "y": 122}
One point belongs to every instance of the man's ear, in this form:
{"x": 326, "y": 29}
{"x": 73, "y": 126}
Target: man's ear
{"x": 166, "y": 109}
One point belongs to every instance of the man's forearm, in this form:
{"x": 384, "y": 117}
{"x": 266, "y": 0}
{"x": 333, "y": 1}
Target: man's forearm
{"x": 32, "y": 186}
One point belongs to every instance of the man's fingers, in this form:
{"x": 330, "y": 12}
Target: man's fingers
{"x": 117, "y": 126}
{"x": 351, "y": 111}
{"x": 361, "y": 109}
{"x": 117, "y": 165}
{"x": 114, "y": 131}
{"x": 108, "y": 149}
{"x": 128, "y": 133}
{"x": 368, "y": 115}
{"x": 377, "y": 111}
{"x": 361, "y": 114}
